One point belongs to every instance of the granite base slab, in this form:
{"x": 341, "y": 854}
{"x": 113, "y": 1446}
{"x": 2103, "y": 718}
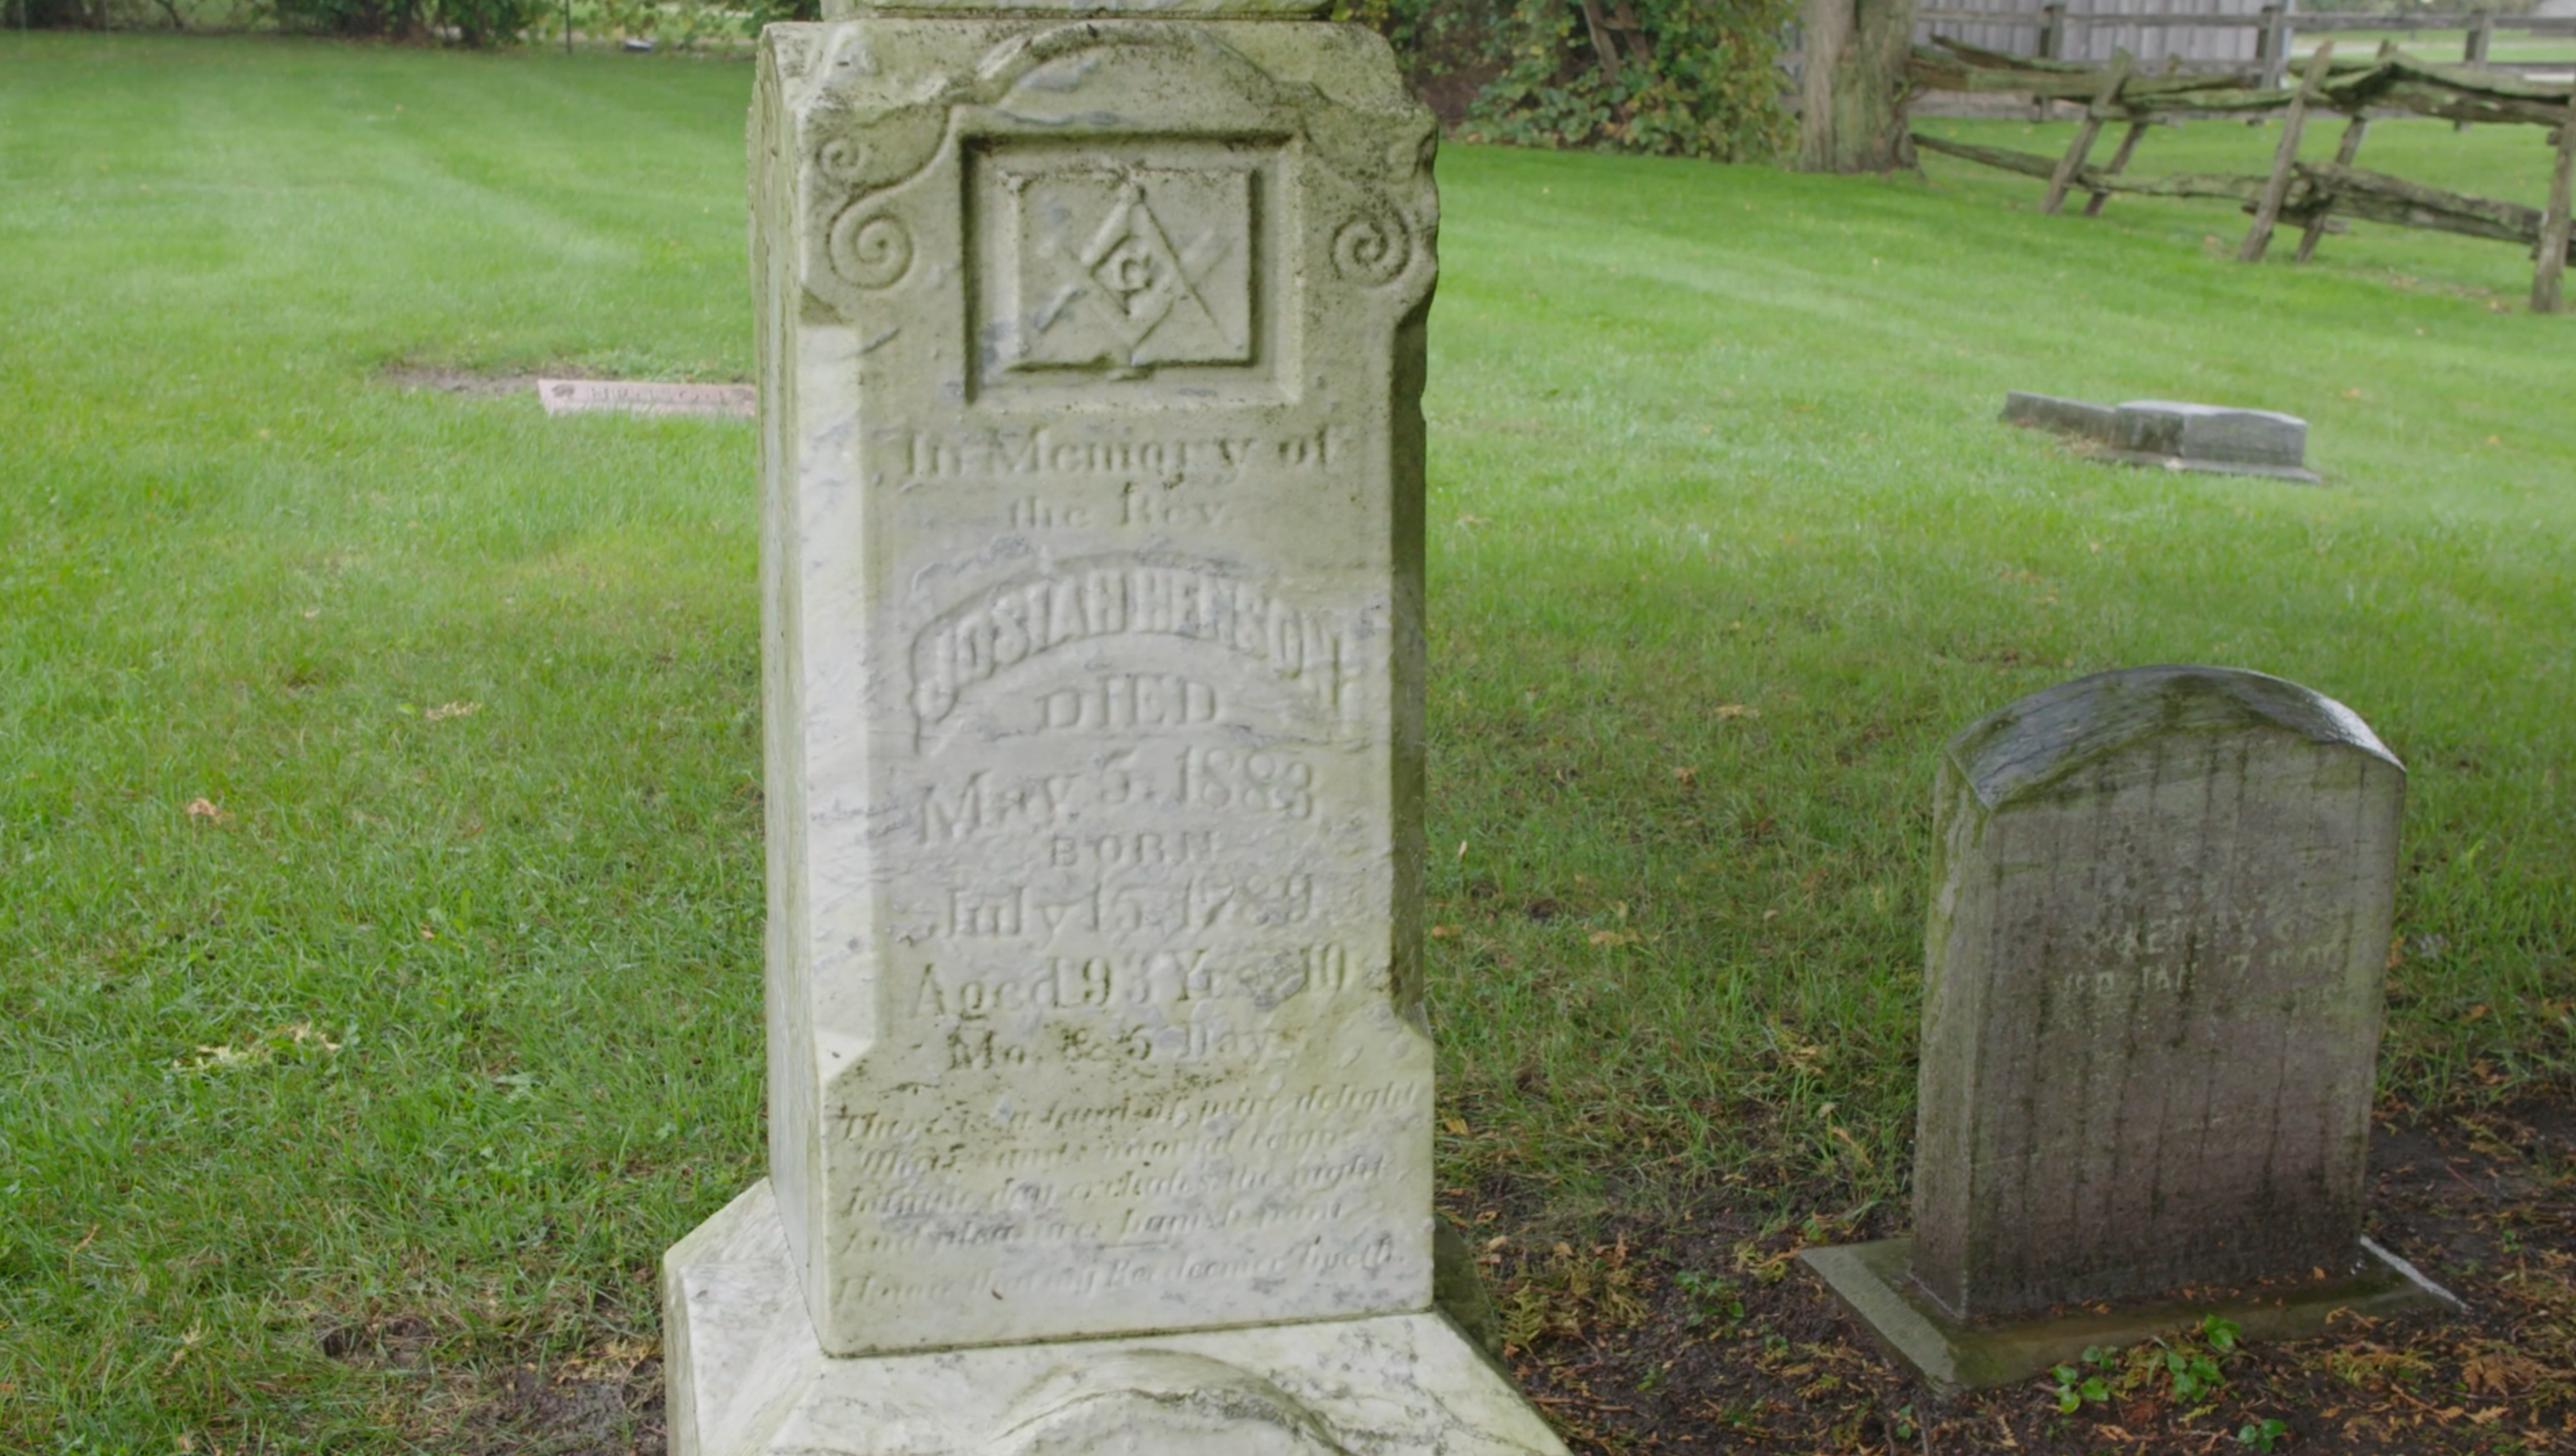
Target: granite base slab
{"x": 747, "y": 1377}
{"x": 1952, "y": 1355}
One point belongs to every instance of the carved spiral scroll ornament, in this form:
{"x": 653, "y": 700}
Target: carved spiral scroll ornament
{"x": 843, "y": 159}
{"x": 870, "y": 249}
{"x": 1372, "y": 248}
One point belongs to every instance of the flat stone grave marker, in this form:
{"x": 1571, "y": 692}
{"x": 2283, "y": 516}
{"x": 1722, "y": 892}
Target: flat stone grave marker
{"x": 2151, "y": 1026}
{"x": 1091, "y": 347}
{"x": 643, "y": 397}
{"x": 2177, "y": 436}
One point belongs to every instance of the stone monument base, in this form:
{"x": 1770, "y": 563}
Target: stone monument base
{"x": 746, "y": 1375}
{"x": 1955, "y": 1355}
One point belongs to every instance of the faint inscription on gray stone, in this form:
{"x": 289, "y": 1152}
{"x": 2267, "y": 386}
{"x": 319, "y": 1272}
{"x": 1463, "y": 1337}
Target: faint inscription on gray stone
{"x": 2153, "y": 991}
{"x": 638, "y": 397}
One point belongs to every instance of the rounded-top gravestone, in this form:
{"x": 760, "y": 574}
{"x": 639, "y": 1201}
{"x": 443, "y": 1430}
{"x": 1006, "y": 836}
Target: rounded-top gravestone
{"x": 2153, "y": 991}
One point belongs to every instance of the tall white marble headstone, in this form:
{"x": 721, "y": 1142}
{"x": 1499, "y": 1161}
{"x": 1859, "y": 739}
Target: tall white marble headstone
{"x": 1091, "y": 343}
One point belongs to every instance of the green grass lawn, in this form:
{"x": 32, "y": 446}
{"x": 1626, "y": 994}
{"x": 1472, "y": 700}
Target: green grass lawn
{"x": 393, "y": 1066}
{"x": 2504, "y": 47}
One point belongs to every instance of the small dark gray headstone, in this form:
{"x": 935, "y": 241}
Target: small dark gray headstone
{"x": 2153, "y": 991}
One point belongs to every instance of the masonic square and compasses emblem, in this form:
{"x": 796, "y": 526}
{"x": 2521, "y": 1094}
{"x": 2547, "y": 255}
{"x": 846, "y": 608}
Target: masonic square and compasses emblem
{"x": 1128, "y": 267}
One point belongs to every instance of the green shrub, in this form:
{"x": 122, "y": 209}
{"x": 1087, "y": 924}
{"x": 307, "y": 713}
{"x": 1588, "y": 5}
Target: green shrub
{"x": 1695, "y": 78}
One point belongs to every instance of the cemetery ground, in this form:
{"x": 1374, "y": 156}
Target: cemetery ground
{"x": 379, "y": 816}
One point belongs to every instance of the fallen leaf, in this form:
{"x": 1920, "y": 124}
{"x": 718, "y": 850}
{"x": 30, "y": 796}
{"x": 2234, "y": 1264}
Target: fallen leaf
{"x": 452, "y": 710}
{"x": 1614, "y": 937}
{"x": 1686, "y": 775}
{"x": 1738, "y": 710}
{"x": 205, "y": 809}
{"x": 1443, "y": 932}
{"x": 1457, "y": 1126}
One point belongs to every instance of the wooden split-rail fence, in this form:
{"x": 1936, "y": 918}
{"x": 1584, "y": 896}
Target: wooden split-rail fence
{"x": 2308, "y": 194}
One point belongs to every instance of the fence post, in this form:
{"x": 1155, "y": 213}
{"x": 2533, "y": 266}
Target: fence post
{"x": 2270, "y": 45}
{"x": 2129, "y": 144}
{"x": 2346, "y": 153}
{"x": 2481, "y": 32}
{"x": 2554, "y": 222}
{"x": 2119, "y": 163}
{"x": 2052, "y": 47}
{"x": 2285, "y": 161}
{"x": 2071, "y": 166}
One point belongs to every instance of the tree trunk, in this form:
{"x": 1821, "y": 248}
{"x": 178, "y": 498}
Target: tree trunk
{"x": 1853, "y": 89}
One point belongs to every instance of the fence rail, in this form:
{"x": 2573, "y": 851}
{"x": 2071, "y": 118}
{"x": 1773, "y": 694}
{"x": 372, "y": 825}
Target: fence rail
{"x": 2310, "y": 195}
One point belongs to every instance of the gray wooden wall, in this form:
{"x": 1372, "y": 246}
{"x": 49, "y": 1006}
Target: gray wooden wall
{"x": 2096, "y": 42}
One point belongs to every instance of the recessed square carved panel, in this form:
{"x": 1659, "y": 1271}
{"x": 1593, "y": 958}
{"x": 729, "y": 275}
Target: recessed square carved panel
{"x": 1109, "y": 263}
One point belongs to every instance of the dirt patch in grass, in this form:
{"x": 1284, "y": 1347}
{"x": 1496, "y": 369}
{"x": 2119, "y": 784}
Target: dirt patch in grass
{"x": 604, "y": 1401}
{"x": 575, "y": 1409}
{"x": 1705, "y": 1334}
{"x": 473, "y": 384}
{"x": 500, "y": 383}
{"x": 608, "y": 1402}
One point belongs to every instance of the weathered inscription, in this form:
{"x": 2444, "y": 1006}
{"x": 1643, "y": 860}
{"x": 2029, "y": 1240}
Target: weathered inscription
{"x": 1242, "y": 897}
{"x": 1088, "y": 601}
{"x": 1176, "y": 978}
{"x": 1045, "y": 452}
{"x": 1228, "y": 782}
